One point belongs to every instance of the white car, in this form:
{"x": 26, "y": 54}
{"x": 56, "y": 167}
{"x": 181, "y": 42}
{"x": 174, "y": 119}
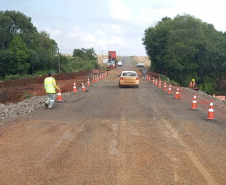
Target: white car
{"x": 119, "y": 63}
{"x": 140, "y": 64}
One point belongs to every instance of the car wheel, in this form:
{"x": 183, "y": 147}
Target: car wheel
{"x": 137, "y": 86}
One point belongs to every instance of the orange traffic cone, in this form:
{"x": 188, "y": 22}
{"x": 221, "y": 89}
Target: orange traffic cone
{"x": 149, "y": 78}
{"x": 177, "y": 94}
{"x": 74, "y": 88}
{"x": 194, "y": 103}
{"x": 83, "y": 87}
{"x": 169, "y": 89}
{"x": 153, "y": 81}
{"x": 88, "y": 82}
{"x": 164, "y": 87}
{"x": 156, "y": 82}
{"x": 210, "y": 115}
{"x": 93, "y": 80}
{"x": 160, "y": 84}
{"x": 59, "y": 96}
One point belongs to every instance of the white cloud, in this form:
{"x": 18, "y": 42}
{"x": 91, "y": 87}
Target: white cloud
{"x": 88, "y": 38}
{"x": 120, "y": 10}
{"x": 117, "y": 29}
{"x": 53, "y": 33}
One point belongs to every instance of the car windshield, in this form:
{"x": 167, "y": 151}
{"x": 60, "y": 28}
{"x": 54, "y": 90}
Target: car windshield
{"x": 129, "y": 74}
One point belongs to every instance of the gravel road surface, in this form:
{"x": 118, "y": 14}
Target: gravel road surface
{"x": 110, "y": 135}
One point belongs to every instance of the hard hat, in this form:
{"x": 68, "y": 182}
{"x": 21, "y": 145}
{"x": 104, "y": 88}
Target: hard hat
{"x": 193, "y": 80}
{"x": 50, "y": 73}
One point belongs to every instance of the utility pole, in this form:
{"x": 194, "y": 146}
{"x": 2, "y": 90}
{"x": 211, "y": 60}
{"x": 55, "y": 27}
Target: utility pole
{"x": 102, "y": 56}
{"x": 58, "y": 60}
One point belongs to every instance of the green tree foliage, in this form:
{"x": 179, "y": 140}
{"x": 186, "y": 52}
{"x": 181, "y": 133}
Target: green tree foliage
{"x": 19, "y": 50}
{"x": 13, "y": 23}
{"x": 83, "y": 59}
{"x": 88, "y": 54}
{"x": 39, "y": 51}
{"x": 5, "y": 57}
{"x": 24, "y": 50}
{"x": 185, "y": 48}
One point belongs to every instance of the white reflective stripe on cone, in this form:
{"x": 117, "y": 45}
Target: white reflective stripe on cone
{"x": 211, "y": 103}
{"x": 211, "y": 110}
{"x": 193, "y": 101}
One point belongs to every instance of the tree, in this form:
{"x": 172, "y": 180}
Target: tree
{"x": 6, "y": 56}
{"x": 13, "y": 23}
{"x": 19, "y": 64}
{"x": 186, "y": 48}
{"x": 88, "y": 54}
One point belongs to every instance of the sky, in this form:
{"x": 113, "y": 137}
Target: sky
{"x": 110, "y": 25}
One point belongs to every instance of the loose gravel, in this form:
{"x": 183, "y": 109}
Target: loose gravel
{"x": 36, "y": 102}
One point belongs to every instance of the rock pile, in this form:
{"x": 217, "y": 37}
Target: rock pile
{"x": 205, "y": 96}
{"x": 24, "y": 107}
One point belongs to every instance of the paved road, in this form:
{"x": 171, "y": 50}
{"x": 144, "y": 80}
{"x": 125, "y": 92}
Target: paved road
{"x": 111, "y": 135}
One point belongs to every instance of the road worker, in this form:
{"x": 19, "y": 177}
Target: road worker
{"x": 144, "y": 71}
{"x": 50, "y": 87}
{"x": 192, "y": 83}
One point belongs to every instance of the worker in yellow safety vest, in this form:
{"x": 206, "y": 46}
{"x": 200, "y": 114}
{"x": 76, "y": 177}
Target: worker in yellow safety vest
{"x": 50, "y": 87}
{"x": 192, "y": 83}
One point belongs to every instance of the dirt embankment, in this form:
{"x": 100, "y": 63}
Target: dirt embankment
{"x": 18, "y": 90}
{"x": 142, "y": 59}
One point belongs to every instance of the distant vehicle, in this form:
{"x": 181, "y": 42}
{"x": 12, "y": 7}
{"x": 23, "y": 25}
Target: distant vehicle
{"x": 129, "y": 78}
{"x": 112, "y": 56}
{"x": 140, "y": 65}
{"x": 111, "y": 64}
{"x": 119, "y": 63}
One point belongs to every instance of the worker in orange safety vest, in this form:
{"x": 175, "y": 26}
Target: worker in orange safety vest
{"x": 192, "y": 83}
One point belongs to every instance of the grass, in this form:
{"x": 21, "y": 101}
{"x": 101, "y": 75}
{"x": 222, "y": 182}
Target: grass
{"x": 172, "y": 82}
{"x": 27, "y": 95}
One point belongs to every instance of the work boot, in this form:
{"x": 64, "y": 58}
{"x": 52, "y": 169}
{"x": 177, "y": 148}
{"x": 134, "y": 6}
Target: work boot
{"x": 46, "y": 104}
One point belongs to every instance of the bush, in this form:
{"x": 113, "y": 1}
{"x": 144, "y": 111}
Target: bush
{"x": 12, "y": 77}
{"x": 208, "y": 85}
{"x": 172, "y": 82}
{"x": 44, "y": 72}
{"x": 209, "y": 88}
